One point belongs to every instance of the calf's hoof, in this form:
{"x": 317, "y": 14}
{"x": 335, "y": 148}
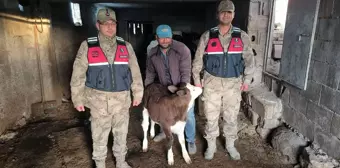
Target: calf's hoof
{"x": 187, "y": 160}
{"x": 170, "y": 162}
{"x": 145, "y": 146}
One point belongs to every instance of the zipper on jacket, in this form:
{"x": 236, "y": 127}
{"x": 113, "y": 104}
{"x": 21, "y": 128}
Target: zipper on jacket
{"x": 112, "y": 75}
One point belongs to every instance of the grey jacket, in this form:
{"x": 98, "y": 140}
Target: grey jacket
{"x": 179, "y": 58}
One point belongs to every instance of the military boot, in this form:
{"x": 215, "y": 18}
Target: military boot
{"x": 100, "y": 163}
{"x": 233, "y": 153}
{"x": 209, "y": 153}
{"x": 121, "y": 163}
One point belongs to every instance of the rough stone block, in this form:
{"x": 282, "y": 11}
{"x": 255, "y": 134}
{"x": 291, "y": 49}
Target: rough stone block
{"x": 319, "y": 71}
{"x": 311, "y": 108}
{"x": 297, "y": 101}
{"x": 258, "y": 23}
{"x": 320, "y": 116}
{"x": 313, "y": 91}
{"x": 332, "y": 52}
{"x": 330, "y": 98}
{"x": 314, "y": 157}
{"x": 326, "y": 28}
{"x": 327, "y": 142}
{"x": 335, "y": 125}
{"x": 318, "y": 51}
{"x": 270, "y": 124}
{"x": 336, "y": 7}
{"x": 285, "y": 96}
{"x": 333, "y": 77}
{"x": 304, "y": 126}
{"x": 323, "y": 117}
{"x": 253, "y": 116}
{"x": 257, "y": 107}
{"x": 311, "y": 67}
{"x": 335, "y": 147}
{"x": 322, "y": 138}
{"x": 288, "y": 143}
{"x": 326, "y": 8}
{"x": 289, "y": 114}
{"x": 265, "y": 103}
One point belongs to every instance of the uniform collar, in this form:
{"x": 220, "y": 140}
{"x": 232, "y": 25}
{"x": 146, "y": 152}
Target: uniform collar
{"x": 229, "y": 32}
{"x": 106, "y": 39}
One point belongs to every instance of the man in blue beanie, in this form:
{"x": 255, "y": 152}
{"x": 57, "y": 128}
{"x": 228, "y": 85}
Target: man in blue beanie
{"x": 170, "y": 61}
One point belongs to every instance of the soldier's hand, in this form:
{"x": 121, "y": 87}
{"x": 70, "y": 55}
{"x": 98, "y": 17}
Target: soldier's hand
{"x": 135, "y": 103}
{"x": 199, "y": 85}
{"x": 80, "y": 108}
{"x": 244, "y": 87}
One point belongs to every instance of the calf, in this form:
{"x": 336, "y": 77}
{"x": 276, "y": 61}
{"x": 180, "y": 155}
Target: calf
{"x": 168, "y": 106}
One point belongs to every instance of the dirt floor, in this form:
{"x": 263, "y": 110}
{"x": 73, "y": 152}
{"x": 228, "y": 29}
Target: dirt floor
{"x": 62, "y": 140}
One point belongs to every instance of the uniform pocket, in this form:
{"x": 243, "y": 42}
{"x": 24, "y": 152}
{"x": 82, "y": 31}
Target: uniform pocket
{"x": 100, "y": 83}
{"x": 207, "y": 78}
{"x": 212, "y": 64}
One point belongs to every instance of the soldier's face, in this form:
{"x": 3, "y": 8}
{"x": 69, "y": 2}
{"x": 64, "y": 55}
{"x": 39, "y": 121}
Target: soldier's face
{"x": 164, "y": 42}
{"x": 226, "y": 17}
{"x": 108, "y": 28}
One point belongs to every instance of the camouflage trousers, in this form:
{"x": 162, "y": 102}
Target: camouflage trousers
{"x": 109, "y": 113}
{"x": 221, "y": 97}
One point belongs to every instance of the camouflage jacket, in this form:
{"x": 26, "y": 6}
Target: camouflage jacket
{"x": 248, "y": 55}
{"x": 80, "y": 67}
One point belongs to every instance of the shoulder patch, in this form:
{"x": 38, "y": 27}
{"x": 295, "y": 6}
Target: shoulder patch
{"x": 92, "y": 40}
{"x": 214, "y": 29}
{"x": 120, "y": 40}
{"x": 236, "y": 29}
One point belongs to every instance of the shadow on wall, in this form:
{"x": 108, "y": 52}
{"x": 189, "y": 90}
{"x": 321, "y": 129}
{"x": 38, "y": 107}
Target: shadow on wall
{"x": 36, "y": 60}
{"x": 27, "y": 64}
{"x": 67, "y": 39}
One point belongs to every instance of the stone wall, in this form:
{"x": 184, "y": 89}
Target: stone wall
{"x": 316, "y": 112}
{"x": 257, "y": 29}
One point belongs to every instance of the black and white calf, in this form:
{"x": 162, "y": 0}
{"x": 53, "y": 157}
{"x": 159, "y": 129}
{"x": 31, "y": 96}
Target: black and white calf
{"x": 168, "y": 107}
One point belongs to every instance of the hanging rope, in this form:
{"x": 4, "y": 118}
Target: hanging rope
{"x": 41, "y": 25}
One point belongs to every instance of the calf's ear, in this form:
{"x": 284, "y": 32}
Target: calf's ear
{"x": 172, "y": 88}
{"x": 181, "y": 92}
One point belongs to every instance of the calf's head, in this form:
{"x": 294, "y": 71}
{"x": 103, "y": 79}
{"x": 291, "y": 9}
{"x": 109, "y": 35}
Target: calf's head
{"x": 186, "y": 89}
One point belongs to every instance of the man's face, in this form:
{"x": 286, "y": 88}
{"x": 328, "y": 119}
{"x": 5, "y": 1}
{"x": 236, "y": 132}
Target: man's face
{"x": 226, "y": 17}
{"x": 164, "y": 42}
{"x": 108, "y": 28}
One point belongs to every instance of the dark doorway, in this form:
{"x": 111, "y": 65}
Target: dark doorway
{"x": 139, "y": 35}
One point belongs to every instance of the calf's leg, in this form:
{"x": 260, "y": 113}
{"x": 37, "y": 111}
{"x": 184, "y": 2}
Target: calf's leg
{"x": 152, "y": 129}
{"x": 178, "y": 129}
{"x": 168, "y": 134}
{"x": 145, "y": 126}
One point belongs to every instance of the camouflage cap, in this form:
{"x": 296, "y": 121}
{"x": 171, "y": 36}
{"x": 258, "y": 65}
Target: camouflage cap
{"x": 106, "y": 14}
{"x": 225, "y": 6}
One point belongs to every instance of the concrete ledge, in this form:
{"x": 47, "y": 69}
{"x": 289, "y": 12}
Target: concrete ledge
{"x": 264, "y": 109}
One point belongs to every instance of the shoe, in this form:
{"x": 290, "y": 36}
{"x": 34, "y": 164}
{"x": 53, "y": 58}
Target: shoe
{"x": 192, "y": 148}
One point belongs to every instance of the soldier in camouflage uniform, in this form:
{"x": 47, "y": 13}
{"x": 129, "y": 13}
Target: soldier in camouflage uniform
{"x": 104, "y": 72}
{"x": 224, "y": 54}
